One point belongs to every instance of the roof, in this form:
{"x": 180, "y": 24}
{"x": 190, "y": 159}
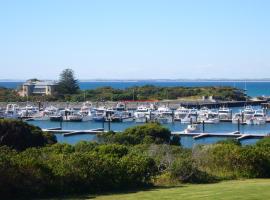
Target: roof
{"x": 41, "y": 83}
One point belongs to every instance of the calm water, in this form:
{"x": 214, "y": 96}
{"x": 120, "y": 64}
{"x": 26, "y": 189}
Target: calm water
{"x": 253, "y": 88}
{"x": 186, "y": 141}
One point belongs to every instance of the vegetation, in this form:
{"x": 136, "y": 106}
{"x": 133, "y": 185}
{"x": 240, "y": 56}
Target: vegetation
{"x": 67, "y": 83}
{"x": 229, "y": 190}
{"x": 20, "y": 136}
{"x": 68, "y": 91}
{"x": 141, "y": 156}
{"x": 150, "y": 92}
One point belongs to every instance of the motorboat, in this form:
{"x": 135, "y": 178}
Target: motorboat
{"x": 181, "y": 113}
{"x": 224, "y": 113}
{"x": 191, "y": 128}
{"x": 99, "y": 114}
{"x": 142, "y": 114}
{"x": 259, "y": 117}
{"x": 164, "y": 115}
{"x": 86, "y": 111}
{"x": 12, "y": 111}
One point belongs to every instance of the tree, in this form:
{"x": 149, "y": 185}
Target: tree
{"x": 20, "y": 135}
{"x": 67, "y": 83}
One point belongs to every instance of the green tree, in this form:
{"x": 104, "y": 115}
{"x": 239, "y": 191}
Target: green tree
{"x": 20, "y": 135}
{"x": 67, "y": 83}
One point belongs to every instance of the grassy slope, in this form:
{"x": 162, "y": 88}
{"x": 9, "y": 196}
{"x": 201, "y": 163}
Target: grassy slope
{"x": 245, "y": 189}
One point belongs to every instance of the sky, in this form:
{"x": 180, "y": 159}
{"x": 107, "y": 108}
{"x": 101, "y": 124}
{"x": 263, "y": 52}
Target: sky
{"x": 135, "y": 39}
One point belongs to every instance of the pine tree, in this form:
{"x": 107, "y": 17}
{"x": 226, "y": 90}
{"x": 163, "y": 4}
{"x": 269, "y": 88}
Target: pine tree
{"x": 67, "y": 83}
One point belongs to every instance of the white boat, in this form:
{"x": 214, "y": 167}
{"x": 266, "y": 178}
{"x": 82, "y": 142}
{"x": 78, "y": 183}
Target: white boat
{"x": 71, "y": 115}
{"x": 191, "y": 128}
{"x": 164, "y": 115}
{"x": 238, "y": 117}
{"x": 259, "y": 117}
{"x": 99, "y": 114}
{"x": 87, "y": 111}
{"x": 224, "y": 113}
{"x": 208, "y": 116}
{"x": 248, "y": 112}
{"x": 12, "y": 111}
{"x": 181, "y": 113}
{"x": 142, "y": 114}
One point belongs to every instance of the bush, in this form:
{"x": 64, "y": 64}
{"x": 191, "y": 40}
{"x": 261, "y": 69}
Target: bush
{"x": 20, "y": 135}
{"x": 148, "y": 133}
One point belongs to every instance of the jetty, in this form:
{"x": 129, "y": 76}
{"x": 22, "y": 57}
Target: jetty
{"x": 237, "y": 135}
{"x": 74, "y": 132}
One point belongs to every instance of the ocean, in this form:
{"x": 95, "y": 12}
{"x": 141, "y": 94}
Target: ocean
{"x": 254, "y": 88}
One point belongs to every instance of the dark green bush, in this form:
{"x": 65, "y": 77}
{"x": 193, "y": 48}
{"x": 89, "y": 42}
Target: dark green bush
{"x": 20, "y": 135}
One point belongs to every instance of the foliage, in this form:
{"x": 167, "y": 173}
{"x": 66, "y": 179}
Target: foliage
{"x": 68, "y": 90}
{"x": 148, "y": 133}
{"x": 60, "y": 169}
{"x": 67, "y": 83}
{"x": 19, "y": 135}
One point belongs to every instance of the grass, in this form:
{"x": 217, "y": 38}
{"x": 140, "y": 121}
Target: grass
{"x": 240, "y": 189}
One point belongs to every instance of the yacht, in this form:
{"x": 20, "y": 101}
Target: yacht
{"x": 191, "y": 128}
{"x": 87, "y": 111}
{"x": 238, "y": 117}
{"x": 164, "y": 115}
{"x": 224, "y": 113}
{"x": 208, "y": 116}
{"x": 259, "y": 117}
{"x": 181, "y": 113}
{"x": 99, "y": 114}
{"x": 142, "y": 114}
{"x": 12, "y": 111}
{"x": 71, "y": 115}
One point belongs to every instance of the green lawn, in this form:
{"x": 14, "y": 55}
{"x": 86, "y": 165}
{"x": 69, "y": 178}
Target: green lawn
{"x": 242, "y": 189}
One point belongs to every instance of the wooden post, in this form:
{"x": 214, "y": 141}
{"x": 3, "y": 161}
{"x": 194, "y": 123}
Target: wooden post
{"x": 61, "y": 123}
{"x": 203, "y": 124}
{"x": 238, "y": 125}
{"x": 103, "y": 123}
{"x": 109, "y": 123}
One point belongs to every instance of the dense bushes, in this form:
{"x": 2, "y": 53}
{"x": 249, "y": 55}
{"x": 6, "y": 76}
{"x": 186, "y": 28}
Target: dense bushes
{"x": 147, "y": 134}
{"x": 48, "y": 171}
{"x": 139, "y": 156}
{"x": 19, "y": 135}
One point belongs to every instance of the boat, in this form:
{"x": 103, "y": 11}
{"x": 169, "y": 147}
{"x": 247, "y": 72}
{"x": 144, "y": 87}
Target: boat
{"x": 86, "y": 111}
{"x": 142, "y": 114}
{"x": 71, "y": 115}
{"x": 164, "y": 115}
{"x": 238, "y": 118}
{"x": 259, "y": 117}
{"x": 181, "y": 113}
{"x": 12, "y": 111}
{"x": 208, "y": 116}
{"x": 56, "y": 118}
{"x": 191, "y": 128}
{"x": 224, "y": 113}
{"x": 99, "y": 114}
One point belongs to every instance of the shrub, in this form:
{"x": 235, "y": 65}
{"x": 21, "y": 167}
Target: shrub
{"x": 20, "y": 135}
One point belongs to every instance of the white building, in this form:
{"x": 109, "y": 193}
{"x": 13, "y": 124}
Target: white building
{"x": 37, "y": 88}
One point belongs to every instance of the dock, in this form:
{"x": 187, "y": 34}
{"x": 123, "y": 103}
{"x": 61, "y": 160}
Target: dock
{"x": 73, "y": 132}
{"x": 237, "y": 135}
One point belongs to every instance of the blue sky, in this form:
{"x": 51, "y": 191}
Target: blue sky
{"x": 135, "y": 39}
